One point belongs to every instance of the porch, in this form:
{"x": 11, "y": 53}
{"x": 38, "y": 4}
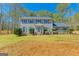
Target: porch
{"x": 36, "y": 30}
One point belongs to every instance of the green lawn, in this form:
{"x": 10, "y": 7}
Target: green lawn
{"x": 11, "y": 39}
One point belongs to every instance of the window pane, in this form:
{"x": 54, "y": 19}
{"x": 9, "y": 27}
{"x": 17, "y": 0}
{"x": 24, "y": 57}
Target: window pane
{"x": 46, "y": 21}
{"x": 30, "y": 21}
{"x": 38, "y": 21}
{"x": 24, "y": 21}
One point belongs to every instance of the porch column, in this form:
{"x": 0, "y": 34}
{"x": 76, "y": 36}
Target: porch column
{"x": 42, "y": 30}
{"x": 27, "y": 30}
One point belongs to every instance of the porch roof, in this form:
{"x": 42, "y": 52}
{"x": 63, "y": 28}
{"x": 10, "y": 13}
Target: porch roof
{"x": 60, "y": 24}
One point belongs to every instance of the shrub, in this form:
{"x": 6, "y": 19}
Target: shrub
{"x": 31, "y": 30}
{"x": 77, "y": 27}
{"x": 18, "y": 31}
{"x": 70, "y": 30}
{"x": 44, "y": 30}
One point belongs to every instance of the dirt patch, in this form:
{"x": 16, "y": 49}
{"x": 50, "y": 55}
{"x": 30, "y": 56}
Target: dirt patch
{"x": 42, "y": 48}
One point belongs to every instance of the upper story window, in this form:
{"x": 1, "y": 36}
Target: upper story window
{"x": 30, "y": 21}
{"x": 27, "y": 21}
{"x": 24, "y": 21}
{"x": 46, "y": 21}
{"x": 38, "y": 21}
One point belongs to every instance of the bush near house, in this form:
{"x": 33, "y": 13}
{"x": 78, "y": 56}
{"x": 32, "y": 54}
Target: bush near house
{"x": 77, "y": 28}
{"x": 70, "y": 30}
{"x": 18, "y": 31}
{"x": 45, "y": 31}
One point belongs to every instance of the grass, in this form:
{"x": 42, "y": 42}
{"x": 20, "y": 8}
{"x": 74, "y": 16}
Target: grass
{"x": 10, "y": 39}
{"x": 40, "y": 44}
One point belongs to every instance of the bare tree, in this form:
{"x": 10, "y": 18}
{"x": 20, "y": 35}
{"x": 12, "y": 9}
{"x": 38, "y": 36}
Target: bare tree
{"x": 62, "y": 9}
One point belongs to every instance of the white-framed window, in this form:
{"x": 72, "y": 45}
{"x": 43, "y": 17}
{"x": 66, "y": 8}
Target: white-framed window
{"x": 31, "y": 21}
{"x": 24, "y": 21}
{"x": 46, "y": 21}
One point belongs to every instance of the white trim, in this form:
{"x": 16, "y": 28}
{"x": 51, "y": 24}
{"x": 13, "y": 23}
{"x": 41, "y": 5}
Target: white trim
{"x": 30, "y": 18}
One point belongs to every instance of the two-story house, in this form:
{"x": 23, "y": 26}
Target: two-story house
{"x": 38, "y": 25}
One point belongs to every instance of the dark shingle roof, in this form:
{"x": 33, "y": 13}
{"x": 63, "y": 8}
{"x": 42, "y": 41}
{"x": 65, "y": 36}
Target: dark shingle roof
{"x": 59, "y": 24}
